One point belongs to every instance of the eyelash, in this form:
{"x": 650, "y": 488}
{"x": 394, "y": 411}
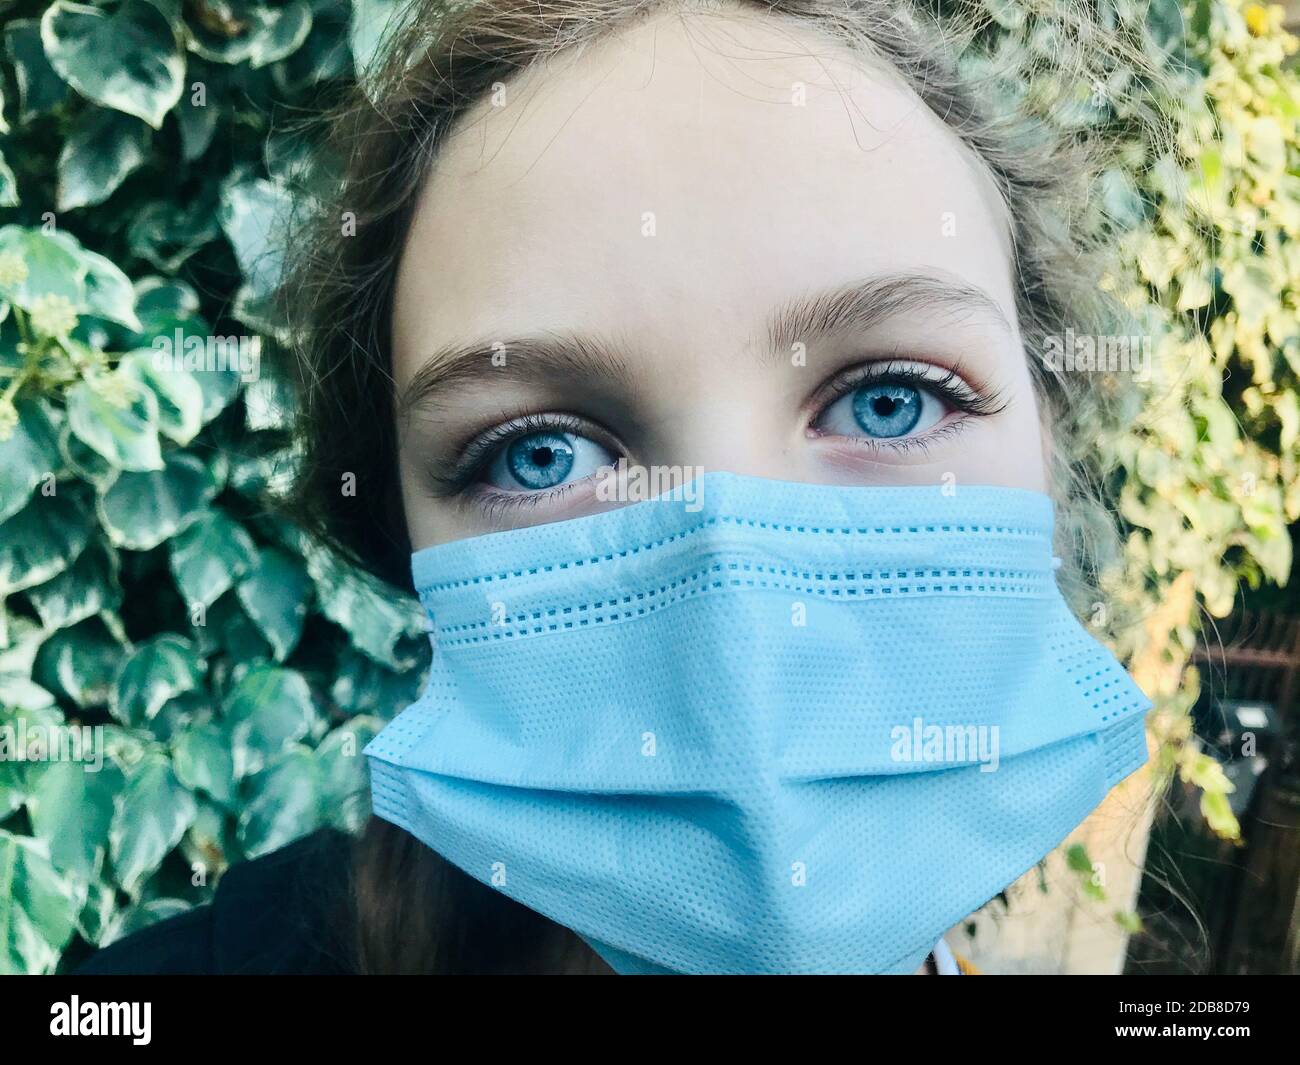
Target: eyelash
{"x": 950, "y": 387}
{"x": 479, "y": 451}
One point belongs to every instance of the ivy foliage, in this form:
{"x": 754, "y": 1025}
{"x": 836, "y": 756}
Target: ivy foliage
{"x": 232, "y": 667}
{"x": 229, "y": 670}
{"x": 1206, "y": 459}
{"x": 1211, "y": 459}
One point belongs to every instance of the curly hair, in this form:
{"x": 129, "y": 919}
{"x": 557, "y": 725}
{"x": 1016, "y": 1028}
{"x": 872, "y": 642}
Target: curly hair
{"x": 438, "y": 65}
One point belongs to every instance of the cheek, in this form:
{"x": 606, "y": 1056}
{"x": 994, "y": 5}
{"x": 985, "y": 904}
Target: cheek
{"x": 429, "y": 520}
{"x": 1012, "y": 447}
{"x": 1022, "y": 463}
{"x": 416, "y": 505}
{"x": 1019, "y": 457}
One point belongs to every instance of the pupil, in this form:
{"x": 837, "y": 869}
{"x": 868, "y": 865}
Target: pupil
{"x": 540, "y": 460}
{"x": 884, "y": 406}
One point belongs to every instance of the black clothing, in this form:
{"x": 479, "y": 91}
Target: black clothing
{"x": 291, "y": 912}
{"x": 285, "y": 912}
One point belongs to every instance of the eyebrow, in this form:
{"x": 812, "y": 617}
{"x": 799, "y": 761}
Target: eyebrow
{"x": 580, "y": 357}
{"x": 857, "y": 306}
{"x": 869, "y": 303}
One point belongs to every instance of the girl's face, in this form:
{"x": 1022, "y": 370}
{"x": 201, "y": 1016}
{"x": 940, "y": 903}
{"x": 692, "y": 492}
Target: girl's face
{"x": 713, "y": 241}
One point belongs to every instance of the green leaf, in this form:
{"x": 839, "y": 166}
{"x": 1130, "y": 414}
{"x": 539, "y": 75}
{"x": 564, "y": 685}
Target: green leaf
{"x": 180, "y": 713}
{"x": 275, "y": 596}
{"x": 268, "y": 404}
{"x": 1201, "y": 18}
{"x": 269, "y": 709}
{"x": 374, "y": 22}
{"x": 382, "y": 624}
{"x": 324, "y": 55}
{"x": 1121, "y": 199}
{"x": 97, "y": 914}
{"x": 345, "y": 780}
{"x": 284, "y": 803}
{"x": 259, "y": 35}
{"x": 8, "y": 198}
{"x": 1196, "y": 291}
{"x": 80, "y": 663}
{"x": 167, "y": 234}
{"x": 228, "y": 631}
{"x": 1008, "y": 14}
{"x": 58, "y": 265}
{"x": 147, "y": 913}
{"x": 31, "y": 455}
{"x": 203, "y": 762}
{"x": 109, "y": 292}
{"x": 211, "y": 362}
{"x": 209, "y": 556}
{"x": 40, "y": 89}
{"x": 1165, "y": 21}
{"x": 180, "y": 397}
{"x": 127, "y": 60}
{"x": 41, "y": 540}
{"x": 198, "y": 124}
{"x": 71, "y": 807}
{"x": 13, "y": 786}
{"x": 163, "y": 303}
{"x": 83, "y": 590}
{"x": 158, "y": 670}
{"x": 20, "y": 693}
{"x": 210, "y": 840}
{"x": 142, "y": 510}
{"x": 126, "y": 436}
{"x": 102, "y": 149}
{"x": 52, "y": 268}
{"x": 1251, "y": 287}
{"x": 152, "y": 813}
{"x": 1077, "y": 860}
{"x": 362, "y": 686}
{"x": 261, "y": 467}
{"x": 40, "y": 908}
{"x": 39, "y": 724}
{"x": 253, "y": 213}
{"x": 24, "y": 642}
{"x": 86, "y": 465}
{"x": 219, "y": 387}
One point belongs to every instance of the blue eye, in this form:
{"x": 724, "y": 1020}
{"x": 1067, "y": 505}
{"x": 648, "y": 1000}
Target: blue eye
{"x": 546, "y": 459}
{"x": 883, "y": 411}
{"x": 887, "y": 410}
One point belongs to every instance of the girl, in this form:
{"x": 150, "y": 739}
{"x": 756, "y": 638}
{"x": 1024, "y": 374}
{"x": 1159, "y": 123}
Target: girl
{"x": 812, "y": 696}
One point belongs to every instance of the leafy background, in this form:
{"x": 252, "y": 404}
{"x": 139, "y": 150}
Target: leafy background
{"x": 148, "y": 151}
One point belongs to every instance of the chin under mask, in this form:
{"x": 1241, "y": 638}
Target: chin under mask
{"x": 782, "y": 728}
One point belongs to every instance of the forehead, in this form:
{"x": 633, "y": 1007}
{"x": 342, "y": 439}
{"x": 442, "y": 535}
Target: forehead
{"x": 682, "y": 177}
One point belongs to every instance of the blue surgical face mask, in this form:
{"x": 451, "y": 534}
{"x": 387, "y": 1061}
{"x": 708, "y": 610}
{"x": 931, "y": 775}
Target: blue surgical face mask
{"x": 788, "y": 728}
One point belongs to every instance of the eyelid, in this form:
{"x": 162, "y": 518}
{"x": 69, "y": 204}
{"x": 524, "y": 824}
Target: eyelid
{"x": 946, "y": 382}
{"x": 497, "y": 505}
{"x": 478, "y": 449}
{"x": 874, "y": 447}
{"x": 476, "y": 453}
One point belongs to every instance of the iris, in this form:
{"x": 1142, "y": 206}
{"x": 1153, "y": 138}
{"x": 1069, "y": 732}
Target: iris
{"x": 887, "y": 410}
{"x": 540, "y": 460}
